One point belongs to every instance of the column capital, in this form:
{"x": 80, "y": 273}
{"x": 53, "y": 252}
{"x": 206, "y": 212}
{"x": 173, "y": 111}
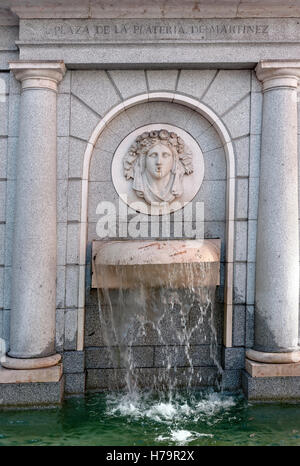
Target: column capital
{"x": 38, "y": 74}
{"x": 278, "y": 73}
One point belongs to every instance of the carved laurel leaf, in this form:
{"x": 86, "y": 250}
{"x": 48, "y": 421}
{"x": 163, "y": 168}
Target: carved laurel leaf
{"x": 187, "y": 162}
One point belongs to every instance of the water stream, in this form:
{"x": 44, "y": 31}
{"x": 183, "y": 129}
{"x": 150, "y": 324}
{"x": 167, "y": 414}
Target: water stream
{"x": 178, "y": 322}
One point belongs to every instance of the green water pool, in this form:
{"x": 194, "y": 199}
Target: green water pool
{"x": 197, "y": 418}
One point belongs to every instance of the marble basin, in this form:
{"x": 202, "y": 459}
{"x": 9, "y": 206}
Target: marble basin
{"x": 171, "y": 263}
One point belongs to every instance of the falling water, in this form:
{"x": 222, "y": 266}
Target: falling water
{"x": 176, "y": 317}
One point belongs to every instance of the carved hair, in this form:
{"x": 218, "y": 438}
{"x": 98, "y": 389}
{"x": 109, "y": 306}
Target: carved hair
{"x": 147, "y": 140}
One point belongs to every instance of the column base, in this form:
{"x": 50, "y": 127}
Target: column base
{"x": 260, "y": 369}
{"x": 31, "y": 387}
{"x": 34, "y": 363}
{"x": 276, "y": 388}
{"x": 275, "y": 358}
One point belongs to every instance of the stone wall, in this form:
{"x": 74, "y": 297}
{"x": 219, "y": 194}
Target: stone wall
{"x": 9, "y": 89}
{"x": 93, "y": 93}
{"x": 85, "y": 96}
{"x": 110, "y": 59}
{"x": 9, "y": 103}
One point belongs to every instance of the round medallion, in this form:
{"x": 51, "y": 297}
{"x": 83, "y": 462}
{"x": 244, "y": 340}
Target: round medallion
{"x": 157, "y": 169}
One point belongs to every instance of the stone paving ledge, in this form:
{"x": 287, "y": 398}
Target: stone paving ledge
{"x": 263, "y": 389}
{"x": 43, "y": 389}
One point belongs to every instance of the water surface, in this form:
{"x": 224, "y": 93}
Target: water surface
{"x": 190, "y": 418}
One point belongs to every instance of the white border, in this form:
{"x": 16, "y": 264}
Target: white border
{"x": 207, "y": 113}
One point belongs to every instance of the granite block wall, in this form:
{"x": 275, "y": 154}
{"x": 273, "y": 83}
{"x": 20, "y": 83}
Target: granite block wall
{"x": 9, "y": 100}
{"x": 9, "y": 105}
{"x": 212, "y": 193}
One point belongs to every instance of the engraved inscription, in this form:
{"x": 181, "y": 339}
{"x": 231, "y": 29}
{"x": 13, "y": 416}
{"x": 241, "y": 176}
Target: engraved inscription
{"x": 200, "y": 31}
{"x": 162, "y": 30}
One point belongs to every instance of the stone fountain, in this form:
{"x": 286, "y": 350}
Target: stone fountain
{"x": 156, "y": 263}
{"x": 149, "y": 288}
{"x": 158, "y": 292}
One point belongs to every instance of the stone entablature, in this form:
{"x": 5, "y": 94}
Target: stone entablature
{"x": 204, "y": 42}
{"x": 159, "y": 30}
{"x": 157, "y": 9}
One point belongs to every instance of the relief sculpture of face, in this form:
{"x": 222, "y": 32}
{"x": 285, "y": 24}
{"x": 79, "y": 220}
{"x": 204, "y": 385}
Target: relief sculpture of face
{"x": 157, "y": 167}
{"x": 159, "y": 161}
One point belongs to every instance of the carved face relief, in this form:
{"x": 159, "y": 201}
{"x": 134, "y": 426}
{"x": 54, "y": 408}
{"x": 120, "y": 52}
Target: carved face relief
{"x": 155, "y": 163}
{"x": 159, "y": 162}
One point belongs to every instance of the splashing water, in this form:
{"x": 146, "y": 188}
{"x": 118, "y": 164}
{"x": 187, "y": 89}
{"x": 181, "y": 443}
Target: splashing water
{"x": 179, "y": 418}
{"x": 196, "y": 406}
{"x": 182, "y": 437}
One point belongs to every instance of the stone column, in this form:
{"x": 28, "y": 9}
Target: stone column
{"x": 32, "y": 333}
{"x": 277, "y": 258}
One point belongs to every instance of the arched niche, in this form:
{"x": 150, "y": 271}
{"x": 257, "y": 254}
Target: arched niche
{"x": 223, "y": 133}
